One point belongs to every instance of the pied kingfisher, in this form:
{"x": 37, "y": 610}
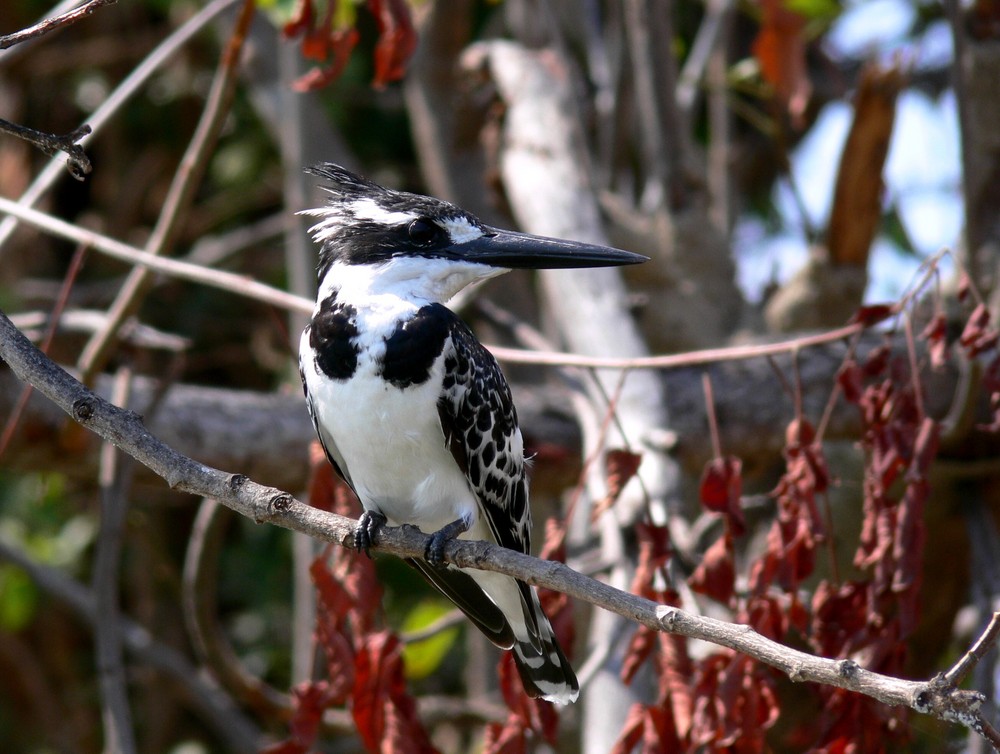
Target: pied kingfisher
{"x": 413, "y": 411}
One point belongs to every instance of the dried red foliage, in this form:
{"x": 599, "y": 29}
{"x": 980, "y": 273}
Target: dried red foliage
{"x": 978, "y": 336}
{"x": 780, "y": 48}
{"x": 620, "y": 466}
{"x": 397, "y": 39}
{"x": 364, "y": 665}
{"x": 531, "y": 719}
{"x": 330, "y": 45}
{"x": 735, "y": 704}
{"x": 872, "y": 314}
{"x": 715, "y": 576}
{"x": 721, "y": 491}
{"x": 936, "y": 335}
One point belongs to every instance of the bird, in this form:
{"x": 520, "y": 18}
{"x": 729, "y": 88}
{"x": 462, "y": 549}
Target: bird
{"x": 413, "y": 411}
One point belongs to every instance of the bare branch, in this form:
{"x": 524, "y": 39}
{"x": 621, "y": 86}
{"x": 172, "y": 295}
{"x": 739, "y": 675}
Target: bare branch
{"x": 132, "y": 83}
{"x": 51, "y": 24}
{"x": 228, "y": 281}
{"x": 175, "y": 206}
{"x": 267, "y": 504}
{"x": 115, "y": 478}
{"x": 78, "y": 163}
{"x": 204, "y": 697}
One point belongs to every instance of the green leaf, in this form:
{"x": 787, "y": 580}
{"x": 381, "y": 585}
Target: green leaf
{"x": 423, "y": 657}
{"x": 18, "y": 599}
{"x": 815, "y": 10}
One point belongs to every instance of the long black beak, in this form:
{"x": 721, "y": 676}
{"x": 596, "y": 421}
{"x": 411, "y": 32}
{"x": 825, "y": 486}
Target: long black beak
{"x": 506, "y": 248}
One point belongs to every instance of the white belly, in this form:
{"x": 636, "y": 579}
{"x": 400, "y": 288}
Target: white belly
{"x": 392, "y": 445}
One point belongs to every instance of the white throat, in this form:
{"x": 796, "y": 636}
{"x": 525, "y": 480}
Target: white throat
{"x": 416, "y": 279}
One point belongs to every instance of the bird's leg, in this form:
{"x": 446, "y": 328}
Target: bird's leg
{"x": 369, "y": 525}
{"x": 434, "y": 554}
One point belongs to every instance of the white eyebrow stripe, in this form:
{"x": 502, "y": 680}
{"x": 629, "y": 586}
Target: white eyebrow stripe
{"x": 460, "y": 230}
{"x": 367, "y": 209}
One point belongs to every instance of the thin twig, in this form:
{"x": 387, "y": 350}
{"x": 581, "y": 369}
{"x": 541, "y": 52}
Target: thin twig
{"x": 62, "y": 298}
{"x": 199, "y": 591}
{"x": 705, "y": 42}
{"x": 245, "y": 286}
{"x": 124, "y": 91}
{"x": 713, "y": 424}
{"x": 179, "y": 197}
{"x": 215, "y": 708}
{"x": 115, "y": 480}
{"x": 267, "y": 504}
{"x": 227, "y": 281}
{"x": 78, "y": 163}
{"x": 53, "y": 23}
{"x": 987, "y": 641}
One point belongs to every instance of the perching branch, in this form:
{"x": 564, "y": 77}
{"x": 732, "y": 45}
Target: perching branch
{"x": 51, "y": 24}
{"x": 938, "y": 697}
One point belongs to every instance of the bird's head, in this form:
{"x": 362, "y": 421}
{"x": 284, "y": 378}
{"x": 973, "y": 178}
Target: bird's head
{"x": 398, "y": 235}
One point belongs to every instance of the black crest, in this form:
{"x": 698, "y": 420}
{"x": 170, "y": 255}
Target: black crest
{"x": 346, "y": 230}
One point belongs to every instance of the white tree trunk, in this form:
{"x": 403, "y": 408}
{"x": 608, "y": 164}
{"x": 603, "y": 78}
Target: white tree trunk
{"x": 547, "y": 184}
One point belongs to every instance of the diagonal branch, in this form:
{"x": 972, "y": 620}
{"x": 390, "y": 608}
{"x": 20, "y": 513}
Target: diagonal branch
{"x": 51, "y": 24}
{"x": 126, "y": 430}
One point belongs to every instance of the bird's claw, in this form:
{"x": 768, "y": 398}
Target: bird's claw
{"x": 369, "y": 526}
{"x": 434, "y": 552}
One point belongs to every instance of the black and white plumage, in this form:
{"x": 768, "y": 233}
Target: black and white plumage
{"x": 412, "y": 411}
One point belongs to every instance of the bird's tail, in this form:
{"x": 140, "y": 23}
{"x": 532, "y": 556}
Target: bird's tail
{"x": 507, "y": 611}
{"x": 545, "y": 671}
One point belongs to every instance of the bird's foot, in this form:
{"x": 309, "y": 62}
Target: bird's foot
{"x": 434, "y": 553}
{"x": 369, "y": 526}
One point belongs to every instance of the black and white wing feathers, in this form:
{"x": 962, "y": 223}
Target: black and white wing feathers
{"x": 479, "y": 422}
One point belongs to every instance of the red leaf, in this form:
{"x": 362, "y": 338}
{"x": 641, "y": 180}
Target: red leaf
{"x": 877, "y": 360}
{"x": 781, "y": 50}
{"x": 715, "y": 576}
{"x": 872, "y": 314}
{"x": 554, "y": 546}
{"x": 721, "y": 490}
{"x": 508, "y": 738}
{"x": 977, "y": 337}
{"x": 309, "y": 701}
{"x": 635, "y": 723}
{"x": 654, "y": 552}
{"x": 301, "y": 20}
{"x": 384, "y": 714}
{"x": 621, "y": 465}
{"x": 339, "y": 43}
{"x": 964, "y": 286}
{"x": 332, "y": 595}
{"x": 644, "y": 640}
{"x": 936, "y": 335}
{"x": 850, "y": 380}
{"x": 397, "y": 40}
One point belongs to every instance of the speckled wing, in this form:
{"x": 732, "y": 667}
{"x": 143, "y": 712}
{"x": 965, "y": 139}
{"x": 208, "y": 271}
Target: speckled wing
{"x": 480, "y": 427}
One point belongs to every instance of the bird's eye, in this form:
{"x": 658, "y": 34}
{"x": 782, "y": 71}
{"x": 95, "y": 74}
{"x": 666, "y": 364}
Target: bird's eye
{"x": 422, "y": 231}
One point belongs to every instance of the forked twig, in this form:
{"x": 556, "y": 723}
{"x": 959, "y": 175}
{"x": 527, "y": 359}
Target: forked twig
{"x": 78, "y": 163}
